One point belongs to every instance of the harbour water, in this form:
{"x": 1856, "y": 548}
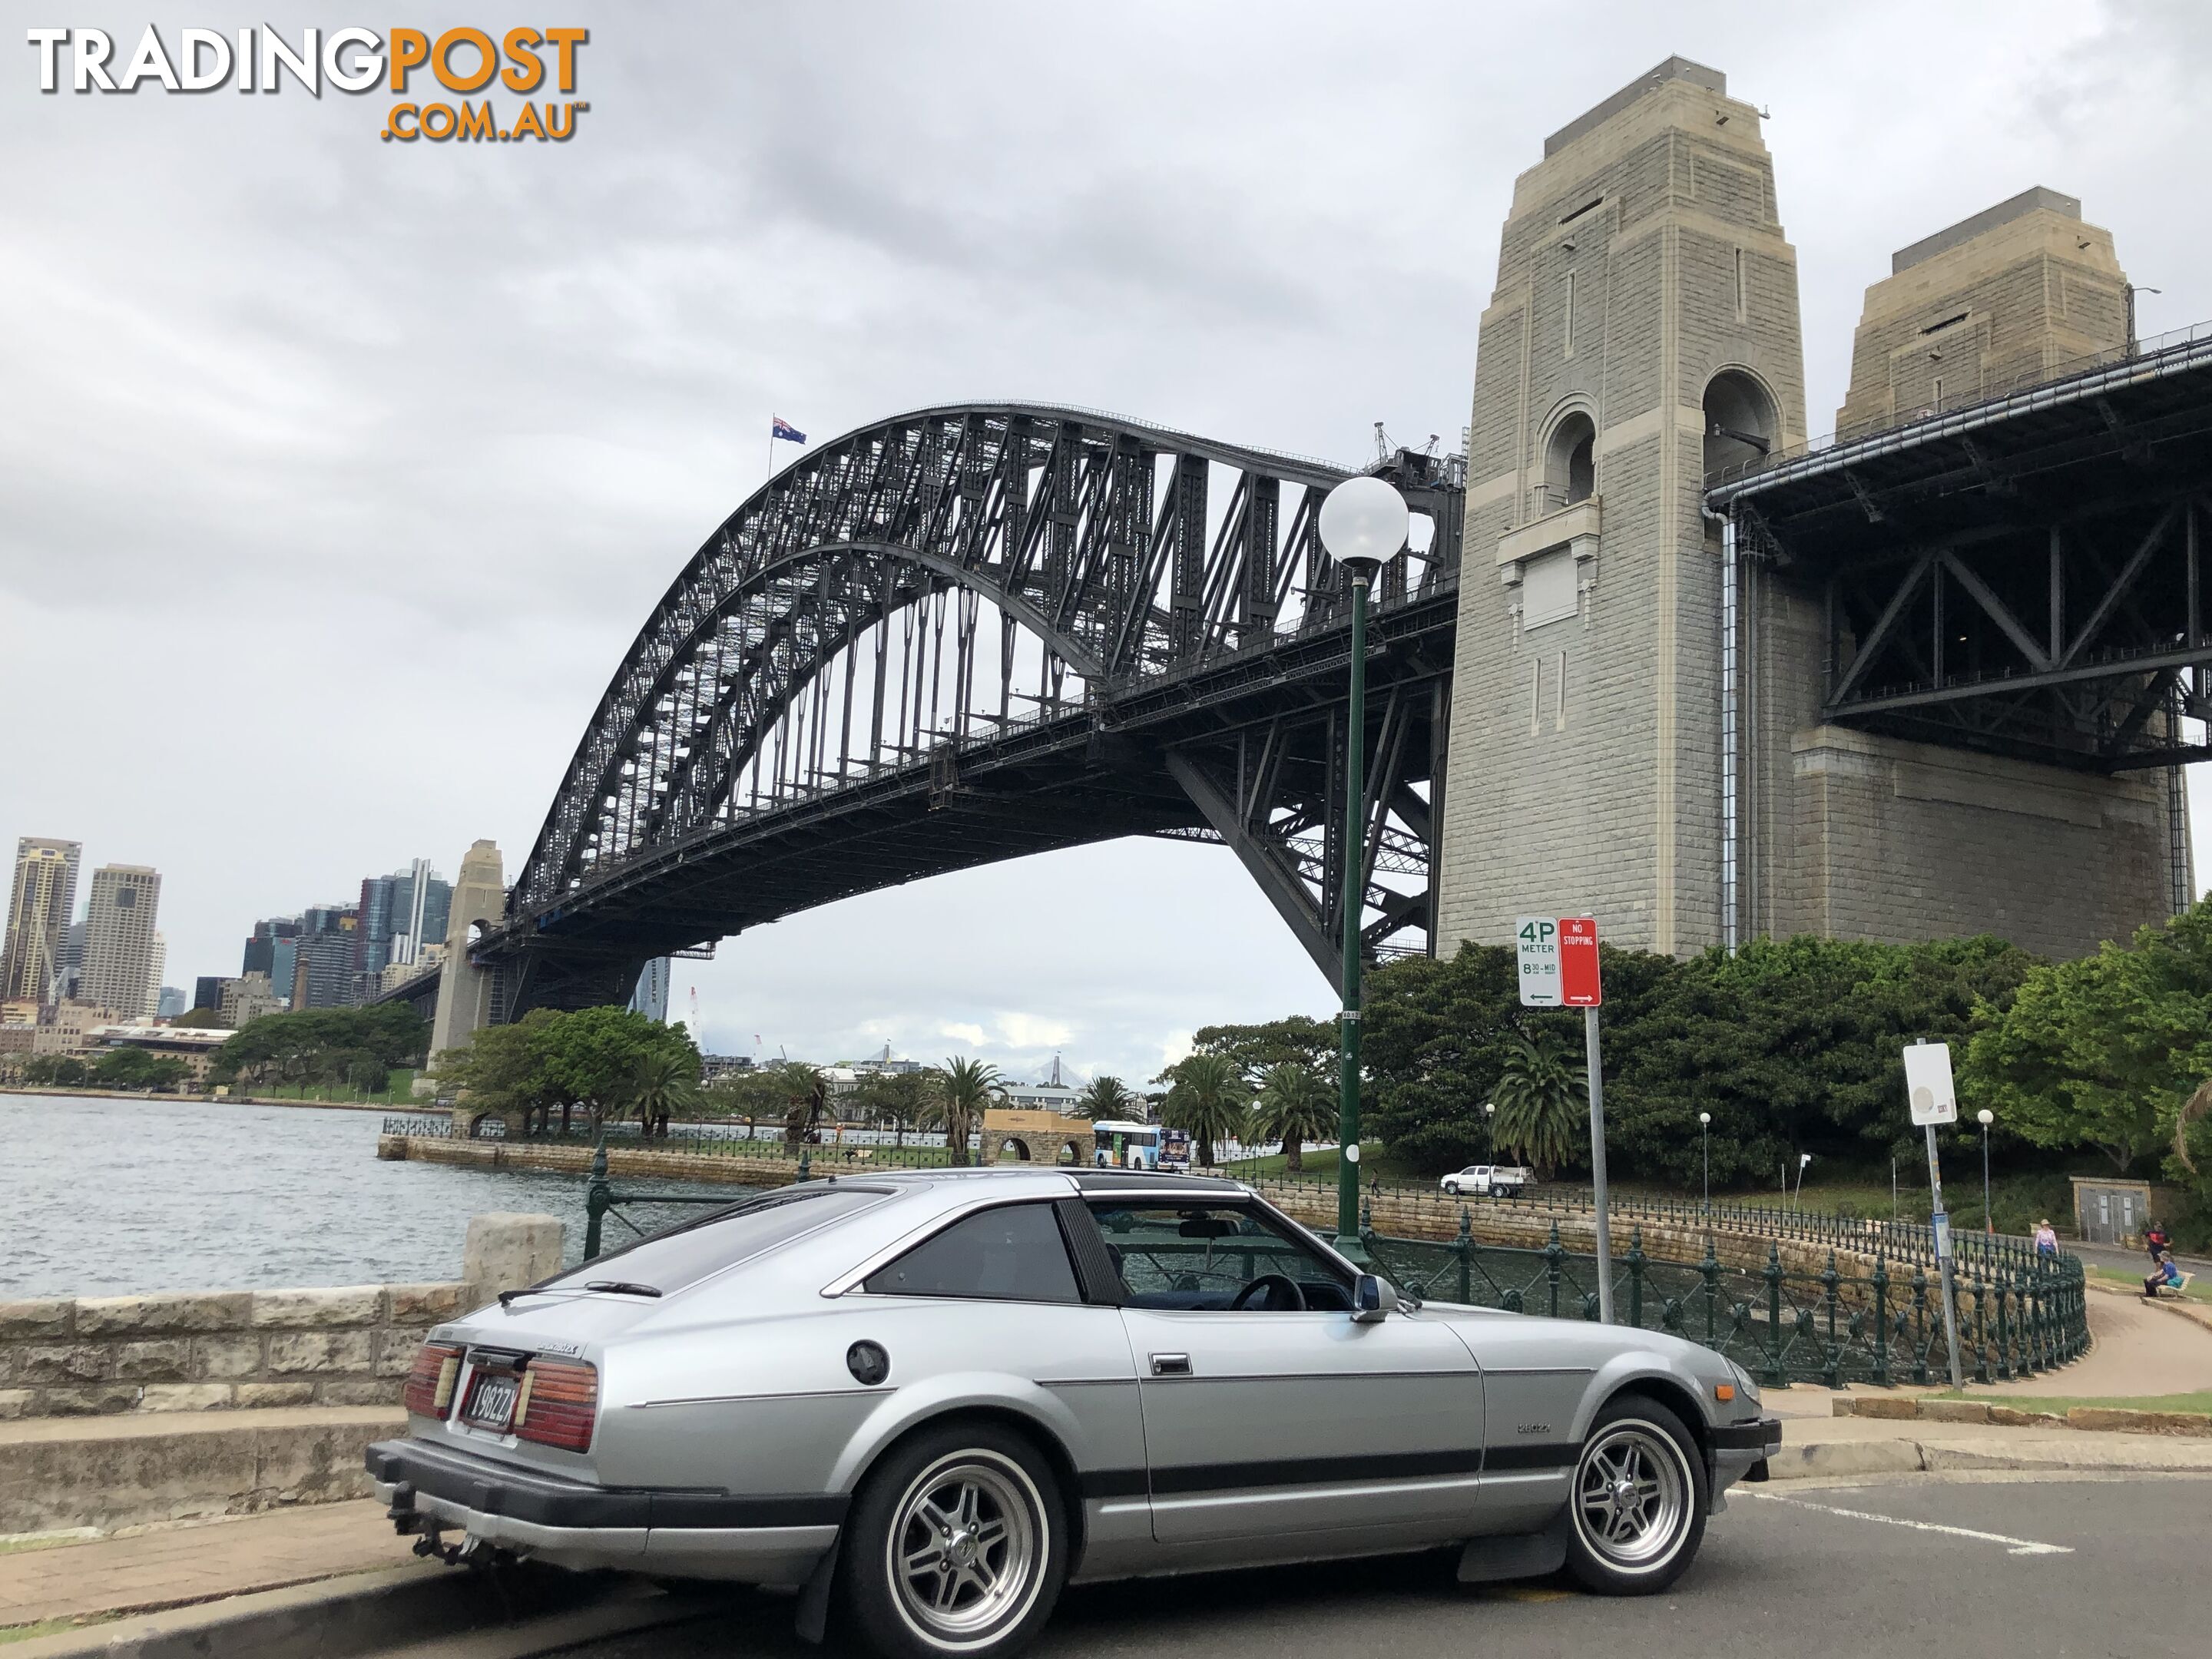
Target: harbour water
{"x": 106, "y": 1197}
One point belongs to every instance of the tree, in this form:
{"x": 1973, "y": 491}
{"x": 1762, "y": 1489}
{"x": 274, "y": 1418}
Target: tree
{"x": 198, "y": 1019}
{"x": 1208, "y": 1098}
{"x": 667, "y": 1082}
{"x": 900, "y": 1096}
{"x": 321, "y": 1045}
{"x": 1541, "y": 1096}
{"x": 2105, "y": 1050}
{"x": 751, "y": 1094}
{"x": 55, "y": 1070}
{"x": 1299, "y": 1040}
{"x": 1294, "y": 1106}
{"x": 502, "y": 1071}
{"x": 592, "y": 1058}
{"x": 965, "y": 1090}
{"x": 1107, "y": 1097}
{"x": 135, "y": 1068}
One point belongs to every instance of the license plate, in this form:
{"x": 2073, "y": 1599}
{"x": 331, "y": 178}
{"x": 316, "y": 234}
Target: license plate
{"x": 491, "y": 1402}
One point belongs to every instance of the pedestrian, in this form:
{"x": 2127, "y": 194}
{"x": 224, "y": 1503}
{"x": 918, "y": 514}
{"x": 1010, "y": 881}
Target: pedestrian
{"x": 2047, "y": 1238}
{"x": 2156, "y": 1240}
{"x": 2163, "y": 1274}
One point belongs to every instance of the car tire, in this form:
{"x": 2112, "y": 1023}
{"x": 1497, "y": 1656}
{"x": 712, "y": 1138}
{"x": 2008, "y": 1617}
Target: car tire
{"x": 956, "y": 1548}
{"x": 1636, "y": 1505}
{"x": 1451, "y": 1189}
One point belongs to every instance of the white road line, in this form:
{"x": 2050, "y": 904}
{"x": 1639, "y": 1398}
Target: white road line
{"x": 2013, "y": 1546}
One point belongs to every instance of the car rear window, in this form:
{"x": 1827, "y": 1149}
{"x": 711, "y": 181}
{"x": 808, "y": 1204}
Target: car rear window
{"x": 685, "y": 1253}
{"x": 1013, "y": 1253}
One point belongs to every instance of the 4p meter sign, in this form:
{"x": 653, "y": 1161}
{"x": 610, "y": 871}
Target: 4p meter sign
{"x": 1558, "y": 961}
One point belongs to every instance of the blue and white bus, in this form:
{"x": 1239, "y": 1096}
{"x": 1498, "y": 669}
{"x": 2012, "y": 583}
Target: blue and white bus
{"x": 1123, "y": 1146}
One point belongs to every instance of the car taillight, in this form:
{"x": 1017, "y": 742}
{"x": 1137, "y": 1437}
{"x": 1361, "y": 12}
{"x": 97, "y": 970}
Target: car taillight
{"x": 558, "y": 1404}
{"x": 428, "y": 1391}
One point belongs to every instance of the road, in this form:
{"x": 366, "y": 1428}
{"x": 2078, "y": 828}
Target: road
{"x": 1988, "y": 1567}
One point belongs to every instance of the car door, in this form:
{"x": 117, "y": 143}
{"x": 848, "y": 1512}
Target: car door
{"x": 1266, "y": 1420}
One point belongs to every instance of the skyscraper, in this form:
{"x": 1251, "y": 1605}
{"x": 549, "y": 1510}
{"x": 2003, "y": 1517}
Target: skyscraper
{"x": 42, "y": 897}
{"x": 157, "y": 967}
{"x": 118, "y": 940}
{"x": 399, "y": 915}
{"x": 323, "y": 969}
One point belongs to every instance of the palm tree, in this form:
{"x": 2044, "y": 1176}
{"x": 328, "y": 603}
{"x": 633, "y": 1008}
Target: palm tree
{"x": 1207, "y": 1096}
{"x": 964, "y": 1089}
{"x": 1540, "y": 1097}
{"x": 1295, "y": 1106}
{"x": 667, "y": 1082}
{"x": 1107, "y": 1097}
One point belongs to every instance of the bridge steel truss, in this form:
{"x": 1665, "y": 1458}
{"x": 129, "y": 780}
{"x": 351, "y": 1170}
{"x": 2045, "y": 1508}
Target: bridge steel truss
{"x": 971, "y": 633}
{"x": 2024, "y": 577}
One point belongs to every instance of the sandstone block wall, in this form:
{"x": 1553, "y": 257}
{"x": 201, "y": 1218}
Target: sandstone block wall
{"x": 215, "y": 1350}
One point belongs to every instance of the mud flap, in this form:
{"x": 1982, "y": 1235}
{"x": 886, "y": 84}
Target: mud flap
{"x": 812, "y": 1622}
{"x": 1516, "y": 1555}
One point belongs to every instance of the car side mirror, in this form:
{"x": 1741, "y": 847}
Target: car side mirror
{"x": 1371, "y": 1300}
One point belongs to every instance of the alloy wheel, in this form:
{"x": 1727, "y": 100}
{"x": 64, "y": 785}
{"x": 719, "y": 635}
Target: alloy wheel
{"x": 965, "y": 1548}
{"x": 1631, "y": 1502}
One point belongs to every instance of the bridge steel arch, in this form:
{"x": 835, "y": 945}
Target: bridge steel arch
{"x": 820, "y": 677}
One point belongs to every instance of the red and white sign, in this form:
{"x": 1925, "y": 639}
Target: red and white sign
{"x": 1558, "y": 961}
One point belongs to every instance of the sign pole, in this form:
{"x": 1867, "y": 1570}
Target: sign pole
{"x": 1557, "y": 963}
{"x": 1933, "y": 1100}
{"x": 1597, "y": 1167}
{"x": 1942, "y": 1224}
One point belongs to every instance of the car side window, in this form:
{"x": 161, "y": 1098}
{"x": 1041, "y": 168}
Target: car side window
{"x": 1013, "y": 1253}
{"x": 1200, "y": 1256}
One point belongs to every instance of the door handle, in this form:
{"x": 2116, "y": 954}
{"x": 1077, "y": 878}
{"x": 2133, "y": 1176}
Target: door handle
{"x": 1170, "y": 1365}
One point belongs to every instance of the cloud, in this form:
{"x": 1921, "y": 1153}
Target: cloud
{"x": 335, "y": 476}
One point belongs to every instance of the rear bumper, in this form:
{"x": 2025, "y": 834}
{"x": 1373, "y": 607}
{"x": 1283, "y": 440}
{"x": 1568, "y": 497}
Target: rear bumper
{"x": 573, "y": 1524}
{"x": 1740, "y": 1451}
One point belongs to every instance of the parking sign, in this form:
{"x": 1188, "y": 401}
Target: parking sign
{"x": 1538, "y": 939}
{"x": 1558, "y": 961}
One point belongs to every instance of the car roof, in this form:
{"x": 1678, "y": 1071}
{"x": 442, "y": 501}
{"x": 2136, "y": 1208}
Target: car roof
{"x": 1082, "y": 1180}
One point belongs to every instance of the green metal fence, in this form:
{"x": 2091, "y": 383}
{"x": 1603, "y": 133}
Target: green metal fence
{"x": 1905, "y": 1243}
{"x": 1847, "y": 1323}
{"x": 700, "y": 1140}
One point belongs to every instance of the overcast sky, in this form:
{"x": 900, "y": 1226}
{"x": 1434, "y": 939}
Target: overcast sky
{"x": 335, "y": 475}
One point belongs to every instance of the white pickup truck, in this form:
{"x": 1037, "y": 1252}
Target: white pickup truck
{"x": 1488, "y": 1180}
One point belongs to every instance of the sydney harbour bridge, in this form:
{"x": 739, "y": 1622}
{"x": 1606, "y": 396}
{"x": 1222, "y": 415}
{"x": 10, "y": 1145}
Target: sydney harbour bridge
{"x": 974, "y": 633}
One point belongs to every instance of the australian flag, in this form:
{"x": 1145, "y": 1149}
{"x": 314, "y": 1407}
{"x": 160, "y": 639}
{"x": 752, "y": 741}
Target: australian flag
{"x": 782, "y": 429}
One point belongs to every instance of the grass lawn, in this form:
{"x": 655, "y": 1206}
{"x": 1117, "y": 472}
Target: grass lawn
{"x": 49, "y": 1628}
{"x": 2200, "y": 1401}
{"x": 1374, "y": 1163}
{"x": 400, "y": 1091}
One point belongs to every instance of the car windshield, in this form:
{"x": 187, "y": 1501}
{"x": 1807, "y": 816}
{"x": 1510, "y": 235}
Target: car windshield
{"x": 685, "y": 1253}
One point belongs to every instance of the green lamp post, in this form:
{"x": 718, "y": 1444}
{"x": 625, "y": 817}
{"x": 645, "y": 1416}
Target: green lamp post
{"x": 1362, "y": 527}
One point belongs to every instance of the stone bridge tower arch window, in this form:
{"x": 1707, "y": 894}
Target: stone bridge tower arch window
{"x": 1571, "y": 460}
{"x": 1742, "y": 420}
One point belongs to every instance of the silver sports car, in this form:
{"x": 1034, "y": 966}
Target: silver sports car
{"x": 931, "y": 1400}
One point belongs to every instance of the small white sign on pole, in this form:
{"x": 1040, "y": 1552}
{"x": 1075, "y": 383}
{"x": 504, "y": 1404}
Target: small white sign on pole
{"x": 1928, "y": 1084}
{"x": 1538, "y": 941}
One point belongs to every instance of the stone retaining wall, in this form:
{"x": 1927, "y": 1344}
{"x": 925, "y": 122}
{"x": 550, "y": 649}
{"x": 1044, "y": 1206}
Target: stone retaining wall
{"x": 243, "y": 1350}
{"x": 217, "y": 1350}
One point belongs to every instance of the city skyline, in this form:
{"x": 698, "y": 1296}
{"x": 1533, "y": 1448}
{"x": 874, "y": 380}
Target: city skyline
{"x": 1329, "y": 267}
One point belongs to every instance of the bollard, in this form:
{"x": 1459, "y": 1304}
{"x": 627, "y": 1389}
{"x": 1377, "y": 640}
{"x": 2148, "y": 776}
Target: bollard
{"x": 507, "y": 1251}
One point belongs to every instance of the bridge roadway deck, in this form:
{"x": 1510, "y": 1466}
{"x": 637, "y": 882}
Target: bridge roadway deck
{"x": 1087, "y": 776}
